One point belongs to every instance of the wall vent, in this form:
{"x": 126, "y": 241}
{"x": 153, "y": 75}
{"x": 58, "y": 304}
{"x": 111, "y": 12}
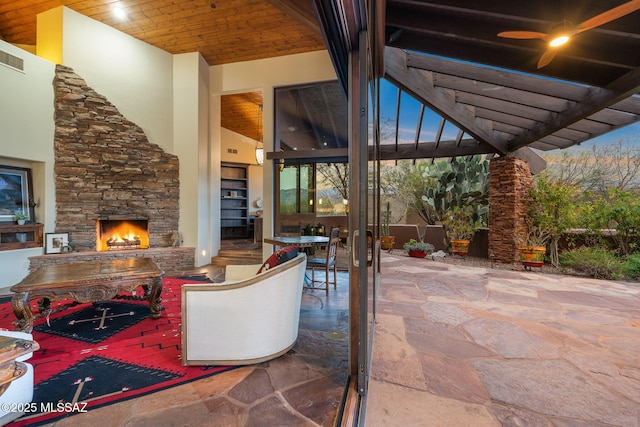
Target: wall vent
{"x": 11, "y": 61}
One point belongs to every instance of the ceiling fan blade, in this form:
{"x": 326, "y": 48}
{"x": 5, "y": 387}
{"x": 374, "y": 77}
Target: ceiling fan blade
{"x": 609, "y": 15}
{"x": 547, "y": 57}
{"x": 523, "y": 34}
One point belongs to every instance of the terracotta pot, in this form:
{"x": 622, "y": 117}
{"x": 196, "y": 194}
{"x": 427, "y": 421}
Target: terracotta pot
{"x": 532, "y": 256}
{"x": 460, "y": 246}
{"x": 417, "y": 254}
{"x": 386, "y": 242}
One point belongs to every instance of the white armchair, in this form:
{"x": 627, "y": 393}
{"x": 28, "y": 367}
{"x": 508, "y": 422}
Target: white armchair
{"x": 249, "y": 318}
{"x": 20, "y": 390}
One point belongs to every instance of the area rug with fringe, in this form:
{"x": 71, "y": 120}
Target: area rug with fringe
{"x": 93, "y": 355}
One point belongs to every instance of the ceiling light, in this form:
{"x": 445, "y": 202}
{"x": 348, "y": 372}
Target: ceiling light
{"x": 559, "y": 40}
{"x": 119, "y": 12}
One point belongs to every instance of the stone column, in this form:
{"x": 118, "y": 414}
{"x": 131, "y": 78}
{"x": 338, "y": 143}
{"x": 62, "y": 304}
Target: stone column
{"x": 509, "y": 183}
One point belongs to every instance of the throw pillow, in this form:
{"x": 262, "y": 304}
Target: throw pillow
{"x": 278, "y": 257}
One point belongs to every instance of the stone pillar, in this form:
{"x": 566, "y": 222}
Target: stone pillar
{"x": 509, "y": 183}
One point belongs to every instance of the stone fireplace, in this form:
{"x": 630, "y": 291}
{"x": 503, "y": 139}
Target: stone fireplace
{"x": 106, "y": 172}
{"x": 105, "y": 168}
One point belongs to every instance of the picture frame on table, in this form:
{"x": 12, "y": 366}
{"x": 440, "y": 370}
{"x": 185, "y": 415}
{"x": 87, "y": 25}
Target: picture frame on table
{"x": 54, "y": 243}
{"x": 16, "y": 193}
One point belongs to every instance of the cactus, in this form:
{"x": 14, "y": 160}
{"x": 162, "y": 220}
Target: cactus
{"x": 386, "y": 217}
{"x": 460, "y": 184}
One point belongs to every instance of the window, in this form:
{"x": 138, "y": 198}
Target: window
{"x": 297, "y": 189}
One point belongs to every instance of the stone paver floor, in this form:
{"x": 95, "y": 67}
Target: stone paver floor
{"x": 462, "y": 346}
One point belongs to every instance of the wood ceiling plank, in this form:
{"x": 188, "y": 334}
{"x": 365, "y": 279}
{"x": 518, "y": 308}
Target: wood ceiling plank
{"x": 503, "y": 93}
{"x": 591, "y": 127}
{"x": 613, "y": 117}
{"x": 518, "y": 110}
{"x": 628, "y": 105}
{"x": 498, "y": 116}
{"x": 497, "y": 77}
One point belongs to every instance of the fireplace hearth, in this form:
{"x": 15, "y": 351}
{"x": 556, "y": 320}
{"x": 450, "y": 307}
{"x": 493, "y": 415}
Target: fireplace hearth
{"x": 122, "y": 234}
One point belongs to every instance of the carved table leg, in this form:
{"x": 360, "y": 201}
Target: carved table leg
{"x": 155, "y": 299}
{"x": 22, "y": 310}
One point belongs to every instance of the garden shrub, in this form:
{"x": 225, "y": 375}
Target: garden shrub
{"x": 595, "y": 262}
{"x": 631, "y": 267}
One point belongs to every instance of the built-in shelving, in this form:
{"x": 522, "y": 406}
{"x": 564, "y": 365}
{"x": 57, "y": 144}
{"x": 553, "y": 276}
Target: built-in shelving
{"x": 234, "y": 210}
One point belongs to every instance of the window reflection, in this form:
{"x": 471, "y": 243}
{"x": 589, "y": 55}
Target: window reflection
{"x": 297, "y": 189}
{"x": 310, "y": 117}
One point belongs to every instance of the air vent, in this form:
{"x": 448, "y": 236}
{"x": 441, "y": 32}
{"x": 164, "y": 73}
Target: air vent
{"x": 11, "y": 61}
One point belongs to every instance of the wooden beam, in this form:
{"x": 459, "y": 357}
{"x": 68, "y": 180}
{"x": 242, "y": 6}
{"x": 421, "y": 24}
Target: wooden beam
{"x": 596, "y": 100}
{"x": 444, "y": 149}
{"x": 417, "y": 83}
{"x": 318, "y": 156}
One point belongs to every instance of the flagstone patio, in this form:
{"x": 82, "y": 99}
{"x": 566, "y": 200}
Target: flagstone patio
{"x": 464, "y": 346}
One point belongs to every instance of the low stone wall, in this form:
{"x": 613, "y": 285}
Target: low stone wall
{"x": 168, "y": 259}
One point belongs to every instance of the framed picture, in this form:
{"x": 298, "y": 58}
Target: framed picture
{"x": 16, "y": 192}
{"x": 55, "y": 242}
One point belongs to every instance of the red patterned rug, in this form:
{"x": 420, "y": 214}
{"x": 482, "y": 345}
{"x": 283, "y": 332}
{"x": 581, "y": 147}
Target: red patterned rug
{"x": 93, "y": 355}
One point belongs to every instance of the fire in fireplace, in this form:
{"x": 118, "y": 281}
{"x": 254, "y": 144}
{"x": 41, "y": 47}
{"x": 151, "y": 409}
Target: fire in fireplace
{"x": 113, "y": 235}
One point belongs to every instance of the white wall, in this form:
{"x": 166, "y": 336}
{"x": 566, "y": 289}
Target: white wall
{"x": 136, "y": 77}
{"x": 255, "y": 188}
{"x": 191, "y": 133}
{"x": 26, "y": 120}
{"x": 265, "y": 74}
{"x": 245, "y": 147}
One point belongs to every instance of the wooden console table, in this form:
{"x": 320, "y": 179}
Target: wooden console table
{"x": 86, "y": 282}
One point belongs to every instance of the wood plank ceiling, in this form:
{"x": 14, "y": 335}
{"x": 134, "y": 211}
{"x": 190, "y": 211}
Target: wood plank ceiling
{"x": 222, "y": 31}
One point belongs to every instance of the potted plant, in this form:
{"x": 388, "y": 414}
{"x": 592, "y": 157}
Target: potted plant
{"x": 20, "y": 217}
{"x": 386, "y": 241}
{"x": 460, "y": 228}
{"x": 534, "y": 247}
{"x": 418, "y": 249}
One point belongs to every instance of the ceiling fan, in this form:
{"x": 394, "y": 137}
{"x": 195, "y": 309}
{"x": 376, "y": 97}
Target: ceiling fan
{"x": 562, "y": 32}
